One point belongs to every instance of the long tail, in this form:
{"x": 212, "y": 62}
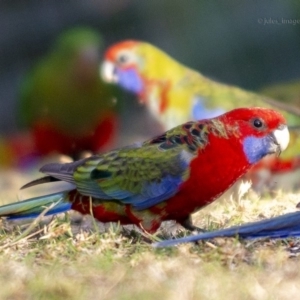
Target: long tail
{"x": 287, "y": 225}
{"x": 31, "y": 208}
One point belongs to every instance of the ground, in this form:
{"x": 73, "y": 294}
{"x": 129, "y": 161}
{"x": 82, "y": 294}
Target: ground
{"x": 70, "y": 257}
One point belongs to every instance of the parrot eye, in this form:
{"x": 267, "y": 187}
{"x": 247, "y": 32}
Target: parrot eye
{"x": 122, "y": 59}
{"x": 258, "y": 123}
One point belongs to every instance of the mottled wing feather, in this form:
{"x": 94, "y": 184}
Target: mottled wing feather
{"x": 142, "y": 177}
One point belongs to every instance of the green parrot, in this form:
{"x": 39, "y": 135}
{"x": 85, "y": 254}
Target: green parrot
{"x": 63, "y": 102}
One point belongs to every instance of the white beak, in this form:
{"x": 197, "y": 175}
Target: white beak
{"x": 282, "y": 137}
{"x": 107, "y": 72}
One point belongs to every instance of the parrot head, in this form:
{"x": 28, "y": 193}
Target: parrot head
{"x": 79, "y": 47}
{"x": 135, "y": 65}
{"x": 262, "y": 131}
{"x": 122, "y": 65}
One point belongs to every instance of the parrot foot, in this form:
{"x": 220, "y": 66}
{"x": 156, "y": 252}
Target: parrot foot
{"x": 188, "y": 224}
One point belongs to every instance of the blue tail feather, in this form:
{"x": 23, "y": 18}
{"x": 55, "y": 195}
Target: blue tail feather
{"x": 287, "y": 225}
{"x": 59, "y": 208}
{"x": 32, "y": 207}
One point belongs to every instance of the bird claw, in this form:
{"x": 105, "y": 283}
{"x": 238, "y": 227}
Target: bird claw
{"x": 188, "y": 224}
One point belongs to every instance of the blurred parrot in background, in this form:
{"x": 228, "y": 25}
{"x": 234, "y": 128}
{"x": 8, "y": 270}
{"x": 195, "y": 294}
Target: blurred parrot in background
{"x": 272, "y": 173}
{"x": 174, "y": 93}
{"x": 165, "y": 178}
{"x": 63, "y": 102}
{"x": 287, "y": 92}
{"x": 287, "y": 225}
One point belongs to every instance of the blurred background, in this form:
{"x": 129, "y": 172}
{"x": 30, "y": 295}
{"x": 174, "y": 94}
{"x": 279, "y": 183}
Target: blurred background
{"x": 250, "y": 44}
{"x": 232, "y": 41}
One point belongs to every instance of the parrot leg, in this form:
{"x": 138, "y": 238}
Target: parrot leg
{"x": 188, "y": 224}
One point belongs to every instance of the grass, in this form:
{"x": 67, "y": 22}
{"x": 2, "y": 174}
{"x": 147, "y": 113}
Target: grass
{"x": 68, "y": 258}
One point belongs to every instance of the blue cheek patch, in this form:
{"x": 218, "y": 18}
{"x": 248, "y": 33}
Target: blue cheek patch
{"x": 130, "y": 80}
{"x": 256, "y": 148}
{"x": 199, "y": 111}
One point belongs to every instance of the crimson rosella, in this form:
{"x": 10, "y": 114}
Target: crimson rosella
{"x": 168, "y": 177}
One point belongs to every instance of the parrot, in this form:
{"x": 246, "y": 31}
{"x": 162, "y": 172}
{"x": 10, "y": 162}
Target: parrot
{"x": 64, "y": 104}
{"x": 174, "y": 93}
{"x": 287, "y": 225}
{"x": 168, "y": 177}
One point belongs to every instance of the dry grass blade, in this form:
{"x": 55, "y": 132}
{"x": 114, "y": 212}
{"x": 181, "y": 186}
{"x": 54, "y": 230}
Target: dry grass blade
{"x": 25, "y": 234}
{"x": 92, "y": 214}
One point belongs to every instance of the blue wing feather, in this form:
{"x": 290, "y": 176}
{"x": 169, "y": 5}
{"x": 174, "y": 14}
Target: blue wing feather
{"x": 200, "y": 111}
{"x": 155, "y": 193}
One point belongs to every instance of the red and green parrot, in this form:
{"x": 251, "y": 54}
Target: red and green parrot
{"x": 168, "y": 177}
{"x": 63, "y": 102}
{"x": 174, "y": 93}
